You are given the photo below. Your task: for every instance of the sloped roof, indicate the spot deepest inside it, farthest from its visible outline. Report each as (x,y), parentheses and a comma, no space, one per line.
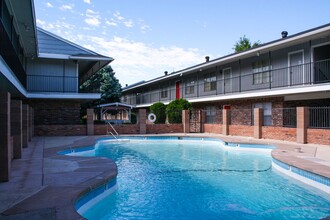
(50,43)
(52,46)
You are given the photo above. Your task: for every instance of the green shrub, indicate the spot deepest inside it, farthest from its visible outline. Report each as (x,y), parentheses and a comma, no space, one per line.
(159,109)
(174,110)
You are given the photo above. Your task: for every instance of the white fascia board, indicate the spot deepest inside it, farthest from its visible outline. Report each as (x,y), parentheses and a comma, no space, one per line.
(257,94)
(237,55)
(54,56)
(90,58)
(63,95)
(273,92)
(6,71)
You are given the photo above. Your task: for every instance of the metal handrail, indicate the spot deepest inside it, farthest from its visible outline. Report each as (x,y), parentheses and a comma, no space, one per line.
(113,129)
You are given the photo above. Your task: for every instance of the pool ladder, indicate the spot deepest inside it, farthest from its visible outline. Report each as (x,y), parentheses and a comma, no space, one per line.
(109,125)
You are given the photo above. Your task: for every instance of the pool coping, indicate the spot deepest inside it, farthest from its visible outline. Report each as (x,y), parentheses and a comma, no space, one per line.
(96,170)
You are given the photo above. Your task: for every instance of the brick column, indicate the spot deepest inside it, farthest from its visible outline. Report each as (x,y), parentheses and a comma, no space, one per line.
(16,127)
(226,121)
(30,123)
(90,121)
(4,136)
(142,121)
(202,115)
(186,121)
(302,124)
(25,126)
(258,122)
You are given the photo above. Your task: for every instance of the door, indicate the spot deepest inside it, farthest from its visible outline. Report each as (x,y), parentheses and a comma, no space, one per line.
(177,90)
(296,68)
(321,58)
(227,74)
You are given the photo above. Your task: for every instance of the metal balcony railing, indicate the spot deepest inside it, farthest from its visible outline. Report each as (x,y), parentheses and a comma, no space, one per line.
(304,74)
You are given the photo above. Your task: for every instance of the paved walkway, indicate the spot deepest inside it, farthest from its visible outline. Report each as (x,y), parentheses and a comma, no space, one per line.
(45,185)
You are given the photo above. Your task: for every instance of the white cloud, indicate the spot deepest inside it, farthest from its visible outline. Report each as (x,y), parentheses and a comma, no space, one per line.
(49,5)
(66,7)
(118,16)
(111,23)
(92,21)
(87,1)
(92,18)
(128,23)
(136,61)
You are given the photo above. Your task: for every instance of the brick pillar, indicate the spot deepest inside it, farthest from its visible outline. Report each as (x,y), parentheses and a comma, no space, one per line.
(186,121)
(25,125)
(258,122)
(30,123)
(142,121)
(202,115)
(16,127)
(90,121)
(5,136)
(302,124)
(226,121)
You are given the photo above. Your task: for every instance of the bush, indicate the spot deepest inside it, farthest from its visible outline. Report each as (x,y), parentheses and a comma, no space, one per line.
(159,109)
(174,110)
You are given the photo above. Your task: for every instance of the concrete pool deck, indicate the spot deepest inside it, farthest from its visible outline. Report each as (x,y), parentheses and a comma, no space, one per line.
(45,185)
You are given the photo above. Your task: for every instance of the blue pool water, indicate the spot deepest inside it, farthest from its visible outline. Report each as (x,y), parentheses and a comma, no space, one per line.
(175,179)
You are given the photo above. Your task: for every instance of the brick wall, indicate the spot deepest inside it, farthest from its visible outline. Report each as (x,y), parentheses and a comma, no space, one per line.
(279,133)
(241,130)
(56,112)
(213,128)
(60,130)
(318,136)
(121,129)
(164,128)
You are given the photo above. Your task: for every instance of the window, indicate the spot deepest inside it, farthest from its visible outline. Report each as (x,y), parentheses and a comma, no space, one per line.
(163,93)
(267,107)
(210,112)
(190,86)
(210,82)
(261,72)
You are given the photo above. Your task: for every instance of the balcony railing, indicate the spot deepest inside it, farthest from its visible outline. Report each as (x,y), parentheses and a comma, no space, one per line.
(304,74)
(38,83)
(9,51)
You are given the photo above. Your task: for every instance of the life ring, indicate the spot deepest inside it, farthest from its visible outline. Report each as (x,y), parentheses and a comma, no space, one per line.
(152,117)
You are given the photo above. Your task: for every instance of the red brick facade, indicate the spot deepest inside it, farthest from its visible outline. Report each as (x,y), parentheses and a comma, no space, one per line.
(241,130)
(279,133)
(164,128)
(56,112)
(318,136)
(60,130)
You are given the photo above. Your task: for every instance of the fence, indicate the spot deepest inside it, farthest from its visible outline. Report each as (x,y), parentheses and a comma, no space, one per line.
(319,117)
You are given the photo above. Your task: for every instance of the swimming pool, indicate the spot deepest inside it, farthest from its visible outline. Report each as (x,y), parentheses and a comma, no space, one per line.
(193,179)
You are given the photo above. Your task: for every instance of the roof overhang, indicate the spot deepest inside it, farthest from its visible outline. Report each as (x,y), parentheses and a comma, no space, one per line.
(52,95)
(319,32)
(23,11)
(115,105)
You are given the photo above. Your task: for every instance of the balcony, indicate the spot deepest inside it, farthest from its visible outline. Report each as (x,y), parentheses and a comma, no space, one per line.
(10,54)
(288,77)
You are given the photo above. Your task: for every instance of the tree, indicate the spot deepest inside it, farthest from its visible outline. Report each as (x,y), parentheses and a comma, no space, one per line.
(174,110)
(244,43)
(106,83)
(159,109)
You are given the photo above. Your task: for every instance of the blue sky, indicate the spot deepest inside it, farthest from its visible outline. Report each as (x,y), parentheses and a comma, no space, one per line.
(148,37)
